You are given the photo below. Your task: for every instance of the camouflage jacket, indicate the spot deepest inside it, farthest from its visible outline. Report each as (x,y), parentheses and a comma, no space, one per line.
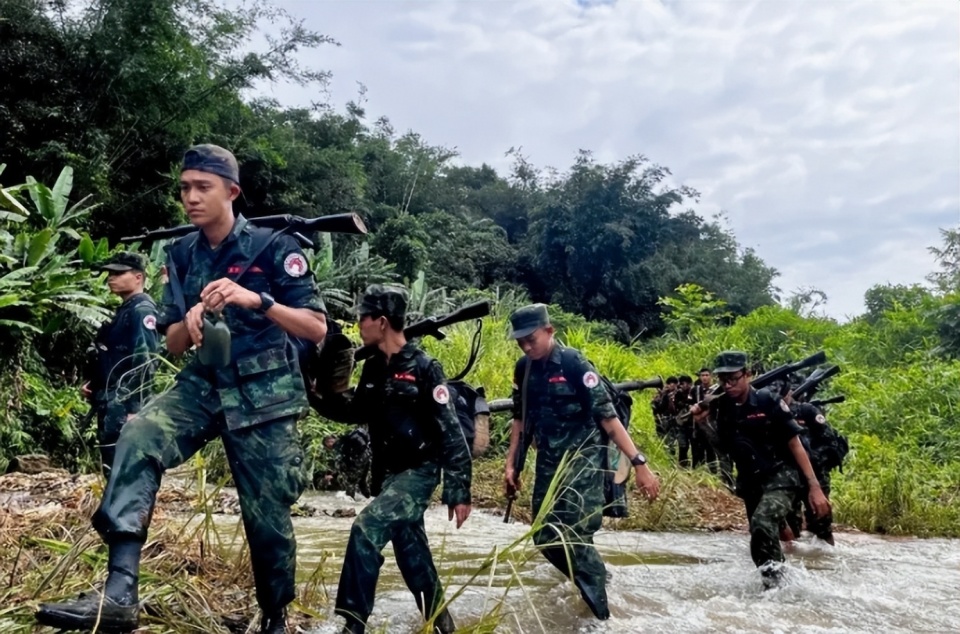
(262,382)
(123,349)
(563,412)
(407,406)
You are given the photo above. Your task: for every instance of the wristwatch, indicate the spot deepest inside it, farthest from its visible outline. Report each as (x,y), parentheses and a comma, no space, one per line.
(638,460)
(266,302)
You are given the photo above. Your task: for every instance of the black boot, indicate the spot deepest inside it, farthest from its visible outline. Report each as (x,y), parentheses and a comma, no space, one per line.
(353,626)
(116,609)
(86,610)
(274,622)
(443,624)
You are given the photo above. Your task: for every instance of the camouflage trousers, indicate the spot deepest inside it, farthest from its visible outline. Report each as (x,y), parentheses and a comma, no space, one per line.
(395,515)
(566,538)
(822,527)
(768,507)
(265,461)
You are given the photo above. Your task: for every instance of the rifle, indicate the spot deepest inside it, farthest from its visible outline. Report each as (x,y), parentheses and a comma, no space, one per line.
(526,436)
(828,401)
(297,225)
(432,325)
(763,380)
(812,383)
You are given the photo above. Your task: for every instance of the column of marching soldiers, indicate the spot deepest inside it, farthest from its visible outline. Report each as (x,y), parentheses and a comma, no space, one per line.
(239,300)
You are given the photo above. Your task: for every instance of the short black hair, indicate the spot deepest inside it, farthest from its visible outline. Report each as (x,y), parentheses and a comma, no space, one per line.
(685,379)
(671,379)
(707,370)
(396,322)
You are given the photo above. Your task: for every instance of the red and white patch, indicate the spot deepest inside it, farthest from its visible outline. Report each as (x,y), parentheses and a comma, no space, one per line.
(591,380)
(820,419)
(441,394)
(295,265)
(150,322)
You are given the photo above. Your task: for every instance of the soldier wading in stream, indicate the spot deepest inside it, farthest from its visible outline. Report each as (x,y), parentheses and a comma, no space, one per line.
(249,394)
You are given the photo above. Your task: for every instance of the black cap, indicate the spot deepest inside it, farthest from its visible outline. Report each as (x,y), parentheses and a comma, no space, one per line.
(383,301)
(528,319)
(730,361)
(124,261)
(212,159)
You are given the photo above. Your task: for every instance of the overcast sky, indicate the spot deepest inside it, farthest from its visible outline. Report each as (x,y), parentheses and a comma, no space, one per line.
(827,131)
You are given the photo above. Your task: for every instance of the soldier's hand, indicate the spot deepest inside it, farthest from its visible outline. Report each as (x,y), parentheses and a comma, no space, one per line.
(85,391)
(462,511)
(225,292)
(511,483)
(194,323)
(647,482)
(818,501)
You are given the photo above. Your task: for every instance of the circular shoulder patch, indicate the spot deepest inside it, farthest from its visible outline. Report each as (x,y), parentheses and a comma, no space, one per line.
(295,265)
(821,419)
(784,406)
(441,394)
(591,380)
(150,322)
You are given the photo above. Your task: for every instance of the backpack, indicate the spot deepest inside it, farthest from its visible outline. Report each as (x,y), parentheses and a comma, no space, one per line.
(614,493)
(831,448)
(473,413)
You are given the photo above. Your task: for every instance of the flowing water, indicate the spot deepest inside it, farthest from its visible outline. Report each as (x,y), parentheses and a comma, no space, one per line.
(662,582)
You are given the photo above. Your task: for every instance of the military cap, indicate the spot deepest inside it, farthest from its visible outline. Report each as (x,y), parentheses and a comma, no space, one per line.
(730,361)
(212,159)
(124,261)
(528,319)
(385,301)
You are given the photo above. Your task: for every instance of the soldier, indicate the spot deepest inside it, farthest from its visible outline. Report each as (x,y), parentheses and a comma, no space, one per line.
(706,442)
(566,411)
(250,395)
(679,405)
(757,429)
(414,433)
(663,421)
(122,368)
(818,436)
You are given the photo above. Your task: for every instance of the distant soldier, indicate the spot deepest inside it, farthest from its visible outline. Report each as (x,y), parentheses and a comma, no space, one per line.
(679,405)
(122,366)
(759,431)
(663,420)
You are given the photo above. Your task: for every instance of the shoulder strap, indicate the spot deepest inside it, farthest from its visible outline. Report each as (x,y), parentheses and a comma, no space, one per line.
(523,390)
(568,357)
(176,259)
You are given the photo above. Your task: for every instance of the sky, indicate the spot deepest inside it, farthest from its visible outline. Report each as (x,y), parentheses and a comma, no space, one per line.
(827,132)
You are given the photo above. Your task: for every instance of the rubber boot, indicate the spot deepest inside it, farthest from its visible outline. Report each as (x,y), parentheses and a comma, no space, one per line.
(443,624)
(274,622)
(116,609)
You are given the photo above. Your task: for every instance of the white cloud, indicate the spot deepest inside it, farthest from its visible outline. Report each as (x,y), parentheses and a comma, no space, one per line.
(829,132)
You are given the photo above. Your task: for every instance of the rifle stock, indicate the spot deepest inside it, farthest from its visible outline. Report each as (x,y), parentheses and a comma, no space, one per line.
(336,223)
(432,325)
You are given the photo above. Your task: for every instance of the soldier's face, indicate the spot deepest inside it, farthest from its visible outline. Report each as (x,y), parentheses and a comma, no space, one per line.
(735,384)
(371,329)
(537,344)
(120,282)
(705,378)
(206,197)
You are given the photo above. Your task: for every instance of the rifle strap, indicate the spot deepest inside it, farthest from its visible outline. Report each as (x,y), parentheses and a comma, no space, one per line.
(474,352)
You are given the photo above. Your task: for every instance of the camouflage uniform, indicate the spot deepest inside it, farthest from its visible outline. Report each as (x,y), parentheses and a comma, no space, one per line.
(414,435)
(813,423)
(680,402)
(123,367)
(756,435)
(564,419)
(252,405)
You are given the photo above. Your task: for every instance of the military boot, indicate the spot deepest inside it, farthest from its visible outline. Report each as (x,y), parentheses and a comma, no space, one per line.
(274,623)
(84,612)
(771,574)
(443,624)
(352,626)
